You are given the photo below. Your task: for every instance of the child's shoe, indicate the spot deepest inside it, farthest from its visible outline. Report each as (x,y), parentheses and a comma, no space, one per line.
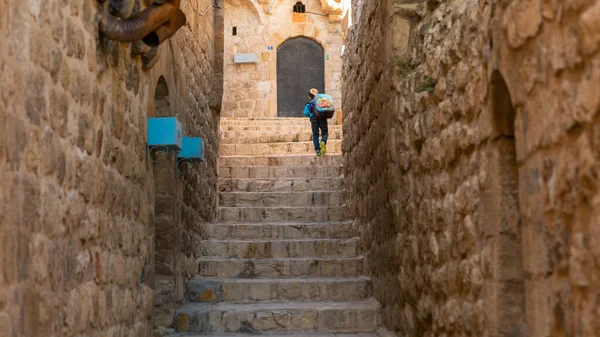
(318,153)
(323,148)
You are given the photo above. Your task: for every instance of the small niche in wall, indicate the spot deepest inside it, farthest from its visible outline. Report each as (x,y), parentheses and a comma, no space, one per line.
(234,31)
(299,7)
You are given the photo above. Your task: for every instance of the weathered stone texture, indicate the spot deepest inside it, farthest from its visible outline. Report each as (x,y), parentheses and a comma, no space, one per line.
(250,90)
(79,200)
(471,163)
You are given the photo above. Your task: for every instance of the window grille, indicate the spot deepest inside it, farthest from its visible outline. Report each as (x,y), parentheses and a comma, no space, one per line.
(299,7)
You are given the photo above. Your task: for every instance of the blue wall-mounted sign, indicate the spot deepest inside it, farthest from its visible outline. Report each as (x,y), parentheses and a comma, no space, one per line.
(270,48)
(165,132)
(193,149)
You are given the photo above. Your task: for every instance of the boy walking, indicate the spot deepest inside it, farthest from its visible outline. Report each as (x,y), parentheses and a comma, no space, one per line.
(317,123)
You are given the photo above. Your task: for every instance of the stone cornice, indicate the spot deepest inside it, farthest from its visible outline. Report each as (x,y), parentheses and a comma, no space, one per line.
(335,7)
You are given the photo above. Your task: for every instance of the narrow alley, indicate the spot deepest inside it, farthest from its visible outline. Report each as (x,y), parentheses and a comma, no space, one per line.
(160,176)
(283,256)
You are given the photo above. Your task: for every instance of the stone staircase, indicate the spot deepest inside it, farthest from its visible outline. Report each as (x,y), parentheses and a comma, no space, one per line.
(283,259)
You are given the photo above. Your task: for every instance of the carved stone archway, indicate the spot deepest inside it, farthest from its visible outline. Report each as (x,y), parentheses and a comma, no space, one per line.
(253,4)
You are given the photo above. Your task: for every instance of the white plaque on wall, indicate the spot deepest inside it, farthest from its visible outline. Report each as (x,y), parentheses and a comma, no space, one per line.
(245,58)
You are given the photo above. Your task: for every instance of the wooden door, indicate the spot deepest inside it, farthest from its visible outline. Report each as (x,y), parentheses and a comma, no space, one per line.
(300,67)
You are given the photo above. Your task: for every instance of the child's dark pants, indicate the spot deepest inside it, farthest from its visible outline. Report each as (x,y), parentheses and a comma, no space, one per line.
(316,125)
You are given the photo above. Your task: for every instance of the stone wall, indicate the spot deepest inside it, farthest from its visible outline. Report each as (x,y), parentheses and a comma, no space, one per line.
(250,90)
(93,230)
(471,163)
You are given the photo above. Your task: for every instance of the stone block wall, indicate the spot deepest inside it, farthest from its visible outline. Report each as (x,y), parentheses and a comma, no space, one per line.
(250,90)
(96,239)
(471,163)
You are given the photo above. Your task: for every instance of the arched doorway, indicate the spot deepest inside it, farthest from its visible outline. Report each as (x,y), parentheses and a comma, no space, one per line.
(163,276)
(162,105)
(505,289)
(300,66)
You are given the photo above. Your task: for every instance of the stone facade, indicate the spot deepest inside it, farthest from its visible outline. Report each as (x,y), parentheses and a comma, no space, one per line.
(96,235)
(250,90)
(471,139)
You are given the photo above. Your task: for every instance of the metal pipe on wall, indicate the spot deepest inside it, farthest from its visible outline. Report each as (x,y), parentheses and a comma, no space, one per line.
(139,25)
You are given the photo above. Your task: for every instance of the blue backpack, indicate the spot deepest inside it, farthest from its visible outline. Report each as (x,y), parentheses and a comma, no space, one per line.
(322,106)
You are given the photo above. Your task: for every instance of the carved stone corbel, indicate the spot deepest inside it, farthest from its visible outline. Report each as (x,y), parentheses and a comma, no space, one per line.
(334,9)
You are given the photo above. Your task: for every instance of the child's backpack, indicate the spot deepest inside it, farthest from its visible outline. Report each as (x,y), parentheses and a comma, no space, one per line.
(323,107)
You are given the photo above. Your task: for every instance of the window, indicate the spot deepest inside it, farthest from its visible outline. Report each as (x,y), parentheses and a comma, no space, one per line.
(234,31)
(299,7)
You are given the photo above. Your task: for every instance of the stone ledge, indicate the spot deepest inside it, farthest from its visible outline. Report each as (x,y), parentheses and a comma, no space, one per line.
(294,160)
(278,289)
(260,249)
(356,316)
(332,230)
(288,267)
(260,214)
(280,185)
(358,334)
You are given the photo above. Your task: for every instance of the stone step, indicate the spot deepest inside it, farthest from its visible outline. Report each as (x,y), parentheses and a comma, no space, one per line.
(281,160)
(355,316)
(277,214)
(288,267)
(263,120)
(279,185)
(257,137)
(281,199)
(213,290)
(356,334)
(277,249)
(267,172)
(266,121)
(269,128)
(282,231)
(333,146)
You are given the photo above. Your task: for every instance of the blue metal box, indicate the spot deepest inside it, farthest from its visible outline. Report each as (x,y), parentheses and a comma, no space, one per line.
(193,149)
(165,132)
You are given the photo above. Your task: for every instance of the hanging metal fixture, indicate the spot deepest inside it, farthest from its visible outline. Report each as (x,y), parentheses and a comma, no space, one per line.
(153,25)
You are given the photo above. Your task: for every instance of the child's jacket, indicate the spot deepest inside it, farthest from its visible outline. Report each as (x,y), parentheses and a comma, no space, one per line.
(307,108)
